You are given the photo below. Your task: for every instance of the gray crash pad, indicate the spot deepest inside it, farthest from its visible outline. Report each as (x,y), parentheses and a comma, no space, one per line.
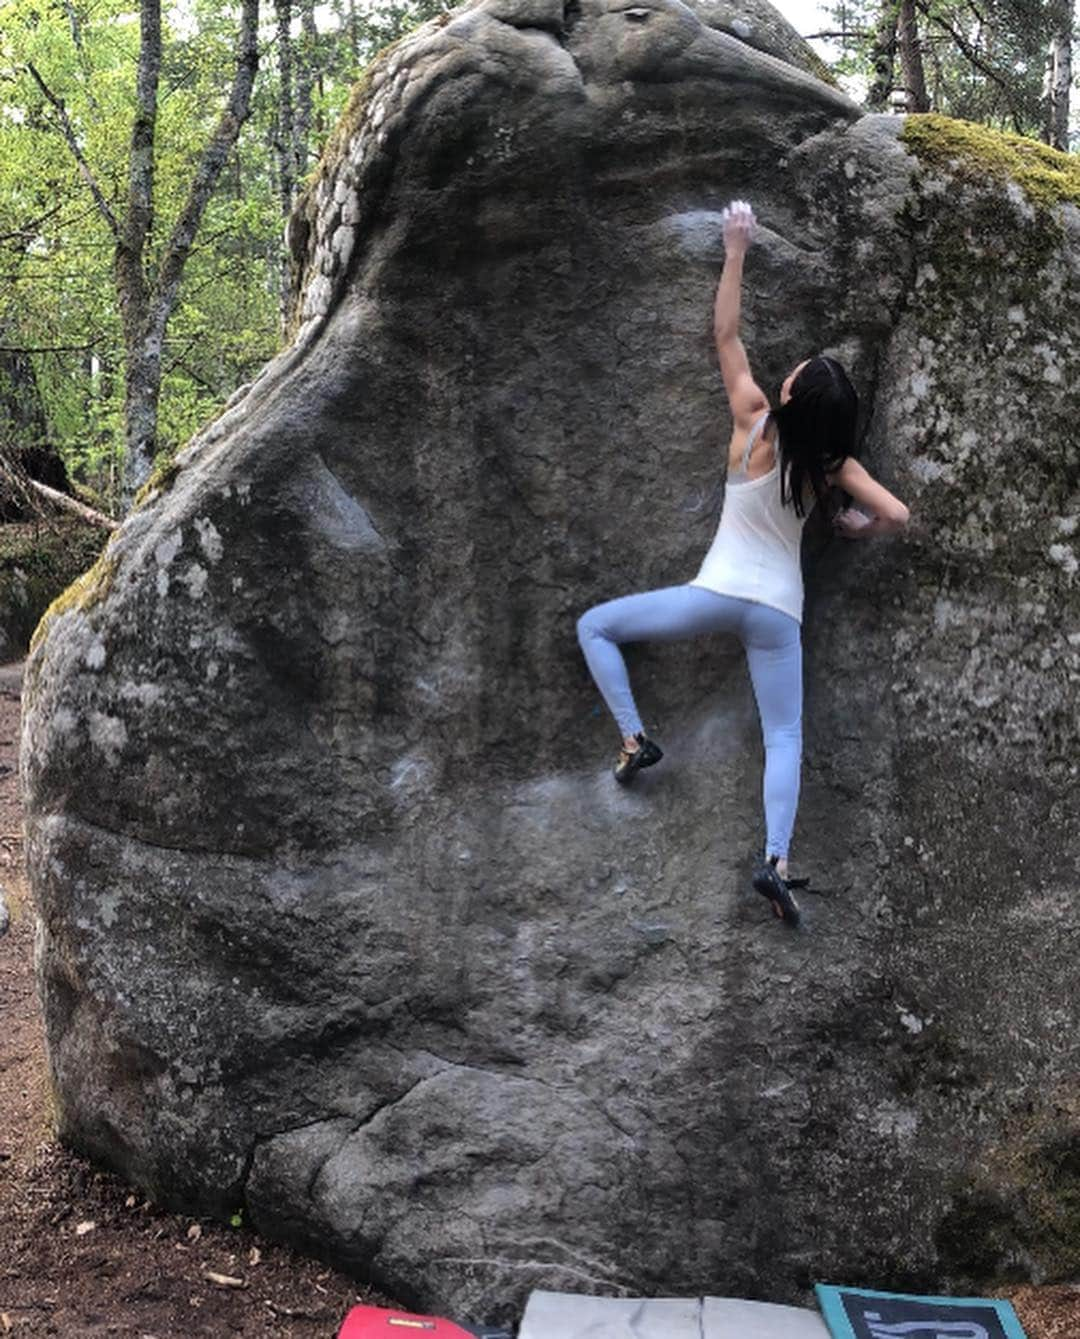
(552,1315)
(570,1316)
(732,1318)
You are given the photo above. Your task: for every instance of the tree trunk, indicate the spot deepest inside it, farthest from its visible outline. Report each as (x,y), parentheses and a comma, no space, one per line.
(883,57)
(142,390)
(354,35)
(145,311)
(1059,77)
(911,59)
(305,65)
(286,130)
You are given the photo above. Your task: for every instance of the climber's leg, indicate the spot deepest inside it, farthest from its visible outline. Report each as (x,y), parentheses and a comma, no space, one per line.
(658,615)
(774,655)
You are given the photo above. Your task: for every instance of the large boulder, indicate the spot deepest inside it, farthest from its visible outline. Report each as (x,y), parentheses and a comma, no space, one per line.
(344,921)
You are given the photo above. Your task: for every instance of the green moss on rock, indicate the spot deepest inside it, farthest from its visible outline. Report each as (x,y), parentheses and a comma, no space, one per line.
(161,480)
(1046,176)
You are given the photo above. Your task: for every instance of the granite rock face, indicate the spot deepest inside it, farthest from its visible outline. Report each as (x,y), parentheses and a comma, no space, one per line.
(344,920)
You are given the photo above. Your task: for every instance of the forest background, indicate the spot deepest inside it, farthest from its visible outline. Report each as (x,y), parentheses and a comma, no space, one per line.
(150,155)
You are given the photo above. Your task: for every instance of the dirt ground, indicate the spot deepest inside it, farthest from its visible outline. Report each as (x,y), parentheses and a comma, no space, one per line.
(83,1256)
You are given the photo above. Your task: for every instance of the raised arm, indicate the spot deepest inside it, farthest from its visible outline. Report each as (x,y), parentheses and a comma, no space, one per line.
(879,511)
(745,396)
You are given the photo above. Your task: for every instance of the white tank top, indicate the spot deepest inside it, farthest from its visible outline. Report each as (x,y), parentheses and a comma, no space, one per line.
(755,555)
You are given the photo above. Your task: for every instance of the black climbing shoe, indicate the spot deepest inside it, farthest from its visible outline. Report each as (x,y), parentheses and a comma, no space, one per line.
(647,754)
(770,884)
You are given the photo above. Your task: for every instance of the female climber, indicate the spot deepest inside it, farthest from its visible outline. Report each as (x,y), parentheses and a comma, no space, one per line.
(780,463)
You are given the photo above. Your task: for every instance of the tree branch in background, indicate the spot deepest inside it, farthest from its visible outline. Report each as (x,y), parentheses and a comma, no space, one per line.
(964,46)
(77,508)
(209,169)
(84,59)
(73,144)
(48,348)
(30,228)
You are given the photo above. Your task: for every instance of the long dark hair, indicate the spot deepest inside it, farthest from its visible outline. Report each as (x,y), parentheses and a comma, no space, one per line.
(816,430)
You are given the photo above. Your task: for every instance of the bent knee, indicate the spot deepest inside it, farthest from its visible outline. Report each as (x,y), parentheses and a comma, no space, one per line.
(590,624)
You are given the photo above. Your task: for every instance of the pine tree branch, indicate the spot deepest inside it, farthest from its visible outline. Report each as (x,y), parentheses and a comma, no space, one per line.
(73,144)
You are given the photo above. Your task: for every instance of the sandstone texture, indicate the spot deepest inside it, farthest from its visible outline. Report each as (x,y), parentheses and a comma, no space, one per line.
(344,922)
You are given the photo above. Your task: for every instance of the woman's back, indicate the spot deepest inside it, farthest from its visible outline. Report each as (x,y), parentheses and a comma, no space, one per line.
(755,553)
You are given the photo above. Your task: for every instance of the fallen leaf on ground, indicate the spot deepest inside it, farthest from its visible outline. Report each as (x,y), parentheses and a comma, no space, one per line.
(82,1229)
(223,1280)
(194,1232)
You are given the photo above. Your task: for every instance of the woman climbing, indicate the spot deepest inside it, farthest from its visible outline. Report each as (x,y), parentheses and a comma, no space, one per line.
(780,463)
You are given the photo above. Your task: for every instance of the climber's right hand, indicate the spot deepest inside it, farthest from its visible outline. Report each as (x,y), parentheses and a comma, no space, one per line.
(739,223)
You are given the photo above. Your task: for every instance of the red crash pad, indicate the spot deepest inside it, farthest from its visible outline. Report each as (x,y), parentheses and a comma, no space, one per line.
(372,1322)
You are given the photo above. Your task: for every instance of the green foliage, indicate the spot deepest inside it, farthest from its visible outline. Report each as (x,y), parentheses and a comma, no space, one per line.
(57,296)
(984,61)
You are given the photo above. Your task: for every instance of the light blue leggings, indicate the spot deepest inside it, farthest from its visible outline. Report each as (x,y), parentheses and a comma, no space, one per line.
(773,654)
